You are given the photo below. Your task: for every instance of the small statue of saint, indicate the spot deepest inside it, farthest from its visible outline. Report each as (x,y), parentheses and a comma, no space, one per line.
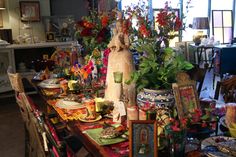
(120,60)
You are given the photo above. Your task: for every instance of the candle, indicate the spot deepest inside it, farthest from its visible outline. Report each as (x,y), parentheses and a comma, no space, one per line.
(132,114)
(142,115)
(118,76)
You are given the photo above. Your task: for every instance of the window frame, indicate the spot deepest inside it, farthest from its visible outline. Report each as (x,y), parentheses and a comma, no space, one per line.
(223,27)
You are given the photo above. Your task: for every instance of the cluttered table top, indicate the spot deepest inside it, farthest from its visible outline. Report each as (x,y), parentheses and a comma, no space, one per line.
(88,116)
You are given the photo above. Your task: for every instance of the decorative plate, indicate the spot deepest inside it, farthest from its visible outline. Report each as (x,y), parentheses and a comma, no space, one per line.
(212,141)
(69,105)
(49,83)
(94,134)
(82,119)
(61,57)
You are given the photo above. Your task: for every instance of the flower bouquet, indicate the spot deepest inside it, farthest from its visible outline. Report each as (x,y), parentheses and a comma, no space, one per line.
(93,30)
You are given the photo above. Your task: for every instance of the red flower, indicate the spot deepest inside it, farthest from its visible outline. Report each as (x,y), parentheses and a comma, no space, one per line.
(204,124)
(161,18)
(178,24)
(105,61)
(88,24)
(104,20)
(172,120)
(175,127)
(106,52)
(103,78)
(103,70)
(102,35)
(213,125)
(144,31)
(86,32)
(80,23)
(196,116)
(184,122)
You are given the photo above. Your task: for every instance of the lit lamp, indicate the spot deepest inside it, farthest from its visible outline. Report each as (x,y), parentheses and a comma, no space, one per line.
(2,7)
(199,23)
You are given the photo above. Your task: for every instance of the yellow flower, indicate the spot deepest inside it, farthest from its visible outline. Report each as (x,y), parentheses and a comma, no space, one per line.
(96,53)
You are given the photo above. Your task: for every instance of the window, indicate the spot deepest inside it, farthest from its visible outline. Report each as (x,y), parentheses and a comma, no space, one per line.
(222,5)
(222,25)
(155,12)
(158,4)
(197,8)
(126,3)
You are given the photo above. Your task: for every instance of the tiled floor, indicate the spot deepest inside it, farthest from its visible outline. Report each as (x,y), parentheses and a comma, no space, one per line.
(11,129)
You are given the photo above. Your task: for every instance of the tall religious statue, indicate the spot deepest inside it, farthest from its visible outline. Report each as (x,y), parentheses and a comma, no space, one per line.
(120,60)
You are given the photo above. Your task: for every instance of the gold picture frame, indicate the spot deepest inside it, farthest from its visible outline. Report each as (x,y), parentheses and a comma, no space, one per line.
(186,96)
(143,138)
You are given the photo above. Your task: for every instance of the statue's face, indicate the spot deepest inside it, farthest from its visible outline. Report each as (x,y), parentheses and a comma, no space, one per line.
(119,26)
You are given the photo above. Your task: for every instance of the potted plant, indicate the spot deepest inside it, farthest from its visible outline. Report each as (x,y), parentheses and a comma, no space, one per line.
(158,63)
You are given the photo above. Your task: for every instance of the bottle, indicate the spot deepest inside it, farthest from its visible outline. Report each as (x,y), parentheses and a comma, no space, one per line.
(74,56)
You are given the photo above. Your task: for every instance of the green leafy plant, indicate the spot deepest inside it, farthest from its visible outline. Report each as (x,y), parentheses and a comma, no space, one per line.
(158,64)
(157,70)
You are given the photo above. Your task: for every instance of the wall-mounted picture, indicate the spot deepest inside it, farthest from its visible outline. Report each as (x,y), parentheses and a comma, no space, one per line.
(143,138)
(185,95)
(30,11)
(62,26)
(182,49)
(50,36)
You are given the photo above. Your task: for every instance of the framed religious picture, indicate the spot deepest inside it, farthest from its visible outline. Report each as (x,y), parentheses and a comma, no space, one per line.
(50,36)
(143,138)
(185,95)
(30,11)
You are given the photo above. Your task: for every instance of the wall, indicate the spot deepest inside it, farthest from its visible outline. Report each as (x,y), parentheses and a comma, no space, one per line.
(11,18)
(78,8)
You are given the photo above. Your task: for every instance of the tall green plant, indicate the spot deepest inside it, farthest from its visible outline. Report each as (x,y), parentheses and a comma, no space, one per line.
(158,64)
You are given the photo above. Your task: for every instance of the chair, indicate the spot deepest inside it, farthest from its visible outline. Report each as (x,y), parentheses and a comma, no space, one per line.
(197,74)
(228,89)
(33,144)
(46,141)
(37,147)
(17,86)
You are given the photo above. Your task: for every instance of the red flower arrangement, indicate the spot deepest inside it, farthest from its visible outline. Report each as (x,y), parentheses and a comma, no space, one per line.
(194,121)
(93,31)
(82,72)
(168,24)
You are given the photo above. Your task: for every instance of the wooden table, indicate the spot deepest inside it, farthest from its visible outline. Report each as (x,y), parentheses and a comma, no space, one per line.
(77,128)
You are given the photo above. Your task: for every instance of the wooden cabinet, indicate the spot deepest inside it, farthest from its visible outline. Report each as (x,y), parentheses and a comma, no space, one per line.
(225,60)
(14,55)
(6,59)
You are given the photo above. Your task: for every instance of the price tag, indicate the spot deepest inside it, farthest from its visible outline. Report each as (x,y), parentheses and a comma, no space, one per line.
(119,111)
